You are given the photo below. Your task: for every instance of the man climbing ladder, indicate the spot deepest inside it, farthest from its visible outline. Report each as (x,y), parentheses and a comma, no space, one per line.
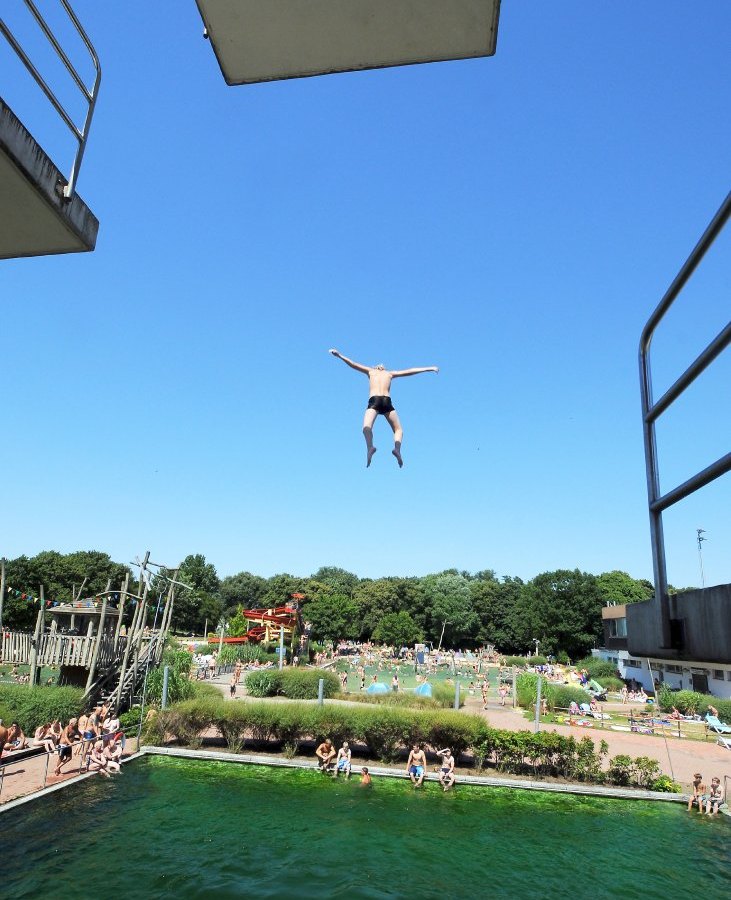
(379,402)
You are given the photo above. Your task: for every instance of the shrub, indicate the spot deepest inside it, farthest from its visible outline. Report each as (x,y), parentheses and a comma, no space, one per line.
(443,694)
(389,731)
(665,784)
(191,718)
(690,703)
(262,683)
(34,706)
(611,683)
(179,660)
(180,687)
(526,689)
(561,696)
(519,661)
(302,684)
(597,668)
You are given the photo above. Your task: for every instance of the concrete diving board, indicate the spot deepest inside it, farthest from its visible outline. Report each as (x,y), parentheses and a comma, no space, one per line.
(268,40)
(35,218)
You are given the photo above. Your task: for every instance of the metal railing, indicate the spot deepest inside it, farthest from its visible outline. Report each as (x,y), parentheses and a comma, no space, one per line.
(651,411)
(90,95)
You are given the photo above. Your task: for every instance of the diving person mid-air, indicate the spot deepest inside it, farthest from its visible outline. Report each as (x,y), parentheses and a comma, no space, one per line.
(379,401)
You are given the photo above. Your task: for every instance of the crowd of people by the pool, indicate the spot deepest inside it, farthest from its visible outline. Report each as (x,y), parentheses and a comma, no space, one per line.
(335,763)
(95,738)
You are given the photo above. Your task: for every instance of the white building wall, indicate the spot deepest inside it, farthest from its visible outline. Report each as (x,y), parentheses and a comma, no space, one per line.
(677,675)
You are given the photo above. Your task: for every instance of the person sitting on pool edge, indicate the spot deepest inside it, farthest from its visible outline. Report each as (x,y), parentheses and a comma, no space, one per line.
(446,772)
(326,755)
(379,402)
(416,765)
(342,762)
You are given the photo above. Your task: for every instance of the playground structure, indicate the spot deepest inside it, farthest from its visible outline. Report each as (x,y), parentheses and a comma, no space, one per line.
(275,624)
(86,642)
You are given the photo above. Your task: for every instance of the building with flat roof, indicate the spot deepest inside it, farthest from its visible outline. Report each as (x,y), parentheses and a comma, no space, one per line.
(699,658)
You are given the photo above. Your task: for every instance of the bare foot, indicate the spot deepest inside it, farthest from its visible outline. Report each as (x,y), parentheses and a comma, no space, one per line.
(397,454)
(370,456)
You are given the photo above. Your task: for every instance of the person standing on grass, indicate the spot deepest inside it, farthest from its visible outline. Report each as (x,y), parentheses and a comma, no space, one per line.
(379,402)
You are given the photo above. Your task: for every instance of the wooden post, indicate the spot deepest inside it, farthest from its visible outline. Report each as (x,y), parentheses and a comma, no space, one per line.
(138,642)
(34,648)
(122,596)
(2,589)
(97,645)
(127,646)
(74,595)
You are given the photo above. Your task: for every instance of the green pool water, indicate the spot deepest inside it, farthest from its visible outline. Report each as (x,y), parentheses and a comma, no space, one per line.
(190,828)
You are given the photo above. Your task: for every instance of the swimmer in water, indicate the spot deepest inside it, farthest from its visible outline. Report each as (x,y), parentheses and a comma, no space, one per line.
(379,402)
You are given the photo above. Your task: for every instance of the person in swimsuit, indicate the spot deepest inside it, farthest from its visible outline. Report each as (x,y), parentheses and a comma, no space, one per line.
(365,778)
(446,772)
(379,402)
(416,765)
(715,797)
(343,761)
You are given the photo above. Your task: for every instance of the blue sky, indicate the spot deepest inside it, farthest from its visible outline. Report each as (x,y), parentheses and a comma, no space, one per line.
(511,220)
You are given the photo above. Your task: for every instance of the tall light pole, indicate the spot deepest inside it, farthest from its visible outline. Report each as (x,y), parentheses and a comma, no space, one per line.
(700,532)
(441,636)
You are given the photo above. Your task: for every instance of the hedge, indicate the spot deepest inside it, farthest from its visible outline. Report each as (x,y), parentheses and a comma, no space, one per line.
(691,703)
(34,706)
(522,661)
(388,732)
(597,668)
(557,696)
(297,684)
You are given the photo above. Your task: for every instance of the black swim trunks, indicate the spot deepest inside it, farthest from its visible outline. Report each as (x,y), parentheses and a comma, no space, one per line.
(382,405)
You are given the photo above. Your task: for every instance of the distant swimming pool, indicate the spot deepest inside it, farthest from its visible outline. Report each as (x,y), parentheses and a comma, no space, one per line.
(191,828)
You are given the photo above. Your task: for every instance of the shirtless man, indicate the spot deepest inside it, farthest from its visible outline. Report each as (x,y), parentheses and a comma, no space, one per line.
(379,402)
(446,770)
(326,755)
(416,765)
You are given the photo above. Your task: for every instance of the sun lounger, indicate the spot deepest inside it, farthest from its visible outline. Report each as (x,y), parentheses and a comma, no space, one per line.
(724,742)
(715,724)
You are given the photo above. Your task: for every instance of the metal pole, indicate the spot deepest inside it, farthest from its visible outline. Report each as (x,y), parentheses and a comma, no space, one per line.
(515,692)
(538,705)
(281,646)
(205,630)
(2,589)
(165,676)
(700,532)
(320,691)
(456,694)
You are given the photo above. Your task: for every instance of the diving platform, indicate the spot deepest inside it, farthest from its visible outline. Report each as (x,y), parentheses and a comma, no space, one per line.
(268,40)
(35,217)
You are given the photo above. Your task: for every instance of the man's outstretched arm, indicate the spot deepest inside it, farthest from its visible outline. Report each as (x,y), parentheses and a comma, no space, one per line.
(405,372)
(349,362)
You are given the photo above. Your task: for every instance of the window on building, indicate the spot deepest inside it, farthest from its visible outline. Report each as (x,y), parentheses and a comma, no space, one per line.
(618,628)
(728,675)
(718,674)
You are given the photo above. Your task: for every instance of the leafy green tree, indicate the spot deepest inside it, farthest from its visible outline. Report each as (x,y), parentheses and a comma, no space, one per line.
(193,607)
(619,587)
(333,617)
(449,607)
(279,590)
(243,590)
(338,580)
(562,610)
(59,574)
(397,629)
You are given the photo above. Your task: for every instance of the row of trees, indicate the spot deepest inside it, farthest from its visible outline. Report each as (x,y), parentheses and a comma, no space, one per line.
(561,609)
